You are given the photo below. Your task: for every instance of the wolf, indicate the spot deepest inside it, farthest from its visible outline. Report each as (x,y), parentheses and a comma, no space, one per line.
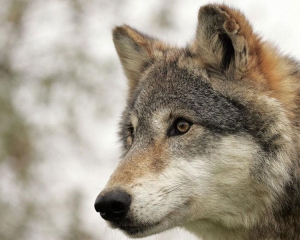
(210,134)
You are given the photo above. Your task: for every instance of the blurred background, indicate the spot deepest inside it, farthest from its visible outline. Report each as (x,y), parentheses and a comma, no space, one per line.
(62,92)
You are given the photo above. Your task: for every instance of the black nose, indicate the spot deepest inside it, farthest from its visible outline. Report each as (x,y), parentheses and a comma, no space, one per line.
(113,205)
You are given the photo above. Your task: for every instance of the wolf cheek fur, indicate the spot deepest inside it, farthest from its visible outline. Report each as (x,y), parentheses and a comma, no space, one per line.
(234,172)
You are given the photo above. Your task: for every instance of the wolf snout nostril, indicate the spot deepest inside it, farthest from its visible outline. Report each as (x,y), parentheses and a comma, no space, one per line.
(113,205)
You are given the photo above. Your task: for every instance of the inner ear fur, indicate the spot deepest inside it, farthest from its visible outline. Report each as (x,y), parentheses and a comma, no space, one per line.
(225,40)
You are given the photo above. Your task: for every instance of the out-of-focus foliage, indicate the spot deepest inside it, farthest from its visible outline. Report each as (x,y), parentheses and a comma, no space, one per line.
(39,80)
(56,80)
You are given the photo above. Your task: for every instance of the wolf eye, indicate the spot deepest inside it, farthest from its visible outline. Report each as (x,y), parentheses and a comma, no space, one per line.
(180,126)
(183,126)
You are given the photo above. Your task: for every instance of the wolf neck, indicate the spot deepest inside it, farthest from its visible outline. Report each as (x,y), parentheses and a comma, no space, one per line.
(208,230)
(282,222)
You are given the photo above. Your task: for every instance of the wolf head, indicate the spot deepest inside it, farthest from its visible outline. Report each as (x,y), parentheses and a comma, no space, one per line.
(206,131)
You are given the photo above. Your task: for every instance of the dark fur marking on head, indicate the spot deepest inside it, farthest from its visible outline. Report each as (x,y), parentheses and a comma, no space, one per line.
(209,108)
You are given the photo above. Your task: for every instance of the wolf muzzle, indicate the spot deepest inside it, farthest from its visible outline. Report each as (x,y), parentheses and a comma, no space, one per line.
(114,205)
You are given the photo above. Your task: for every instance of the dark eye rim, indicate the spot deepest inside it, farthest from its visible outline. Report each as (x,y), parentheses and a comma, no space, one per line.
(173,131)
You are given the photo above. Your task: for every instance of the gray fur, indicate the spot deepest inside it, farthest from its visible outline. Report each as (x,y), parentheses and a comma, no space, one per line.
(210,84)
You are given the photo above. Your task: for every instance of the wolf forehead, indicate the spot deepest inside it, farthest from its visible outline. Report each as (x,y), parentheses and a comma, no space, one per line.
(168,86)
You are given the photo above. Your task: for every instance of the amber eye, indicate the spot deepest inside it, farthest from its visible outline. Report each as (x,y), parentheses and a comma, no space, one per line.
(180,126)
(183,126)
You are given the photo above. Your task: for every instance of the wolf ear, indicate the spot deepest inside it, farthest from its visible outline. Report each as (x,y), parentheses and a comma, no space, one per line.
(135,51)
(225,40)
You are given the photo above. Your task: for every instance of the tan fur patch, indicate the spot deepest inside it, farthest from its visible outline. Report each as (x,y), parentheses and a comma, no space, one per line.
(276,71)
(139,164)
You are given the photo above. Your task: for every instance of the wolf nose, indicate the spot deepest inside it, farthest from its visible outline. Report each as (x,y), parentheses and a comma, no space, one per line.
(113,205)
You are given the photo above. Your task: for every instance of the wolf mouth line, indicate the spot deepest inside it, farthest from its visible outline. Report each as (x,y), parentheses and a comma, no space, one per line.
(136,229)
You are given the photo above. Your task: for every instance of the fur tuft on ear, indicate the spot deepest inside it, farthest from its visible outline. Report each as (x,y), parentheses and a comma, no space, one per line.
(136,51)
(225,40)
